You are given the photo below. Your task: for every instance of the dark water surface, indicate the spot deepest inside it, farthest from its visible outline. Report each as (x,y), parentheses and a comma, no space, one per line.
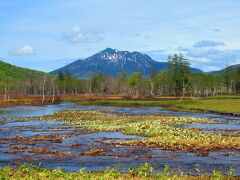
(72,141)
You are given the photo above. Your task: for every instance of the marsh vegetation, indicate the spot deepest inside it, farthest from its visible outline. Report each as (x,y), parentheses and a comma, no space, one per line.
(142,172)
(75,137)
(219,104)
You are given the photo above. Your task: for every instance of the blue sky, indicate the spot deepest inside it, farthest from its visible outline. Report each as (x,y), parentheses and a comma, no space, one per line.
(48,34)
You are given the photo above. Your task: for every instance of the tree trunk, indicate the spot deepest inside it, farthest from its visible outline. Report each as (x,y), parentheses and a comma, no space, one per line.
(5,92)
(152,88)
(53,89)
(43,88)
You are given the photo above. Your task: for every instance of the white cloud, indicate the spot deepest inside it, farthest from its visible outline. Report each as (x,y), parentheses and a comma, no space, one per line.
(207,43)
(212,68)
(207,58)
(79,35)
(22,51)
(211,59)
(215,55)
(199,59)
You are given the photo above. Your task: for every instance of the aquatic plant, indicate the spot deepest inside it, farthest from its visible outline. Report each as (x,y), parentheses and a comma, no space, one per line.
(160,131)
(144,171)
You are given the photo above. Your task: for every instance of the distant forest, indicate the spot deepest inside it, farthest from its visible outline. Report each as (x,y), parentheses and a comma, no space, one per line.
(177,80)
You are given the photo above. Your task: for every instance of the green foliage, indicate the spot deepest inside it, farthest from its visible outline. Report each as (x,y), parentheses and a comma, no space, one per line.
(121,81)
(144,172)
(134,79)
(97,82)
(9,72)
(60,76)
(138,83)
(13,77)
(177,80)
(179,70)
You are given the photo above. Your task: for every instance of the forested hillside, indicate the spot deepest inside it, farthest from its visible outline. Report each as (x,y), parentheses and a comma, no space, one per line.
(177,80)
(15,79)
(10,72)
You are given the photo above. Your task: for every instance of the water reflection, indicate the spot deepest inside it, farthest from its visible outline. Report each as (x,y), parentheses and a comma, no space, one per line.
(87,141)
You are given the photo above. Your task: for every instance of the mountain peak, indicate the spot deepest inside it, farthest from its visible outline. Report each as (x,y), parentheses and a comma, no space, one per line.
(111,62)
(116,56)
(110,51)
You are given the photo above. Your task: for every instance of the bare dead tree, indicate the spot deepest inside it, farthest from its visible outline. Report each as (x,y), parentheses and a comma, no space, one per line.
(52,80)
(43,88)
(5,91)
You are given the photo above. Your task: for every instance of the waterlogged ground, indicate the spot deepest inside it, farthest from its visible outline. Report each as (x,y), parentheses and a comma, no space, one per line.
(56,144)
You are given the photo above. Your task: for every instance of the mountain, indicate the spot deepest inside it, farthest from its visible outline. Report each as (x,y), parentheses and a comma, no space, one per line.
(111,62)
(10,72)
(232,68)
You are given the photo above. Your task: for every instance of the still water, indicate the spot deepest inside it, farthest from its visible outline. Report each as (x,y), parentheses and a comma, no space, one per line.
(70,142)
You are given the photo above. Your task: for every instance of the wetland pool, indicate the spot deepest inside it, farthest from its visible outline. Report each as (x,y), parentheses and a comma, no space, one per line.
(59,145)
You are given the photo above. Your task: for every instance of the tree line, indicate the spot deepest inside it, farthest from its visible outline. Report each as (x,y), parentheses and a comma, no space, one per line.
(177,80)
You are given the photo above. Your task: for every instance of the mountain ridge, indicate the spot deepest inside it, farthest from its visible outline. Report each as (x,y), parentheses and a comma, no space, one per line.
(112,61)
(232,68)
